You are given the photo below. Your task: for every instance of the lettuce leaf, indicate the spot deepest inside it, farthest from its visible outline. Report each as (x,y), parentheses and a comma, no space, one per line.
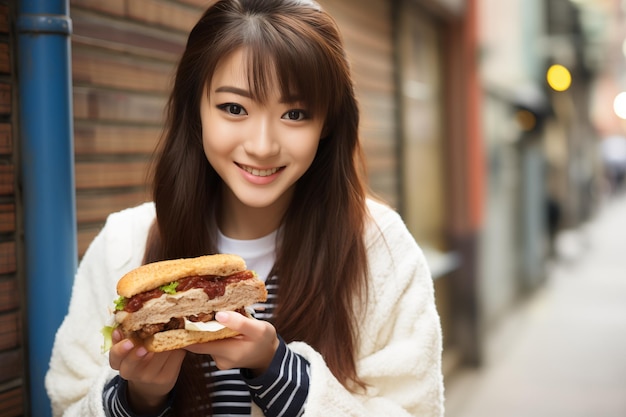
(107,332)
(120,303)
(169,288)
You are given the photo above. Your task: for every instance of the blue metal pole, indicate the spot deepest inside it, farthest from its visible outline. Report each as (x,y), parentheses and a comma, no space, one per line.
(47,176)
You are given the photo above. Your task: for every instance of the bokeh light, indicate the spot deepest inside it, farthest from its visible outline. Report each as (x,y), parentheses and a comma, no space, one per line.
(559,78)
(525,120)
(619,105)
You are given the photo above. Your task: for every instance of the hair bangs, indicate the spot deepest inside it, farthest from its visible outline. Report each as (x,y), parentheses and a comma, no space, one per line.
(283,57)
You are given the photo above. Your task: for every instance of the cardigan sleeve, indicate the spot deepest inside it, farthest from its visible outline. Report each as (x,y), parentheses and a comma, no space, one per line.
(78,369)
(400,336)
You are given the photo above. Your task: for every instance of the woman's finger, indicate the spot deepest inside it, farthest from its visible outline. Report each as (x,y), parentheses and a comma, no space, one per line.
(119,351)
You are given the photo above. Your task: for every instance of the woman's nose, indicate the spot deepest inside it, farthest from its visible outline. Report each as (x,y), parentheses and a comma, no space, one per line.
(261,140)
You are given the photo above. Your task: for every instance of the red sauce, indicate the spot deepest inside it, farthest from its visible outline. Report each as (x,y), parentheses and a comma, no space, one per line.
(136,301)
(213,286)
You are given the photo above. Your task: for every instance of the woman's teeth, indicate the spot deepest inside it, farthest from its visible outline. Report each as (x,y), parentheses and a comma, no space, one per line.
(260,172)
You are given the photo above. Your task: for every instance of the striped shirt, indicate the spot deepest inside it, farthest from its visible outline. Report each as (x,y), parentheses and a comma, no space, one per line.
(280,392)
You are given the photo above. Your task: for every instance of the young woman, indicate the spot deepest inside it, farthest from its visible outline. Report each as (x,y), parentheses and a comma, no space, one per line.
(261,158)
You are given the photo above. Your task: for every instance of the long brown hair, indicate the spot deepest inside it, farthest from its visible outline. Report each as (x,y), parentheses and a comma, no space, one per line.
(321,258)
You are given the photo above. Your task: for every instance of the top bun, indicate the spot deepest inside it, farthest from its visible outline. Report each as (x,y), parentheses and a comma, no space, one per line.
(153,275)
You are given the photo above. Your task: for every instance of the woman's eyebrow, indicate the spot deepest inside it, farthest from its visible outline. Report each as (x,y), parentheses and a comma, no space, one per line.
(234,90)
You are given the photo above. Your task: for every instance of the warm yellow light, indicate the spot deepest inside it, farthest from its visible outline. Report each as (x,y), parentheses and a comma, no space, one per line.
(619,105)
(559,78)
(525,120)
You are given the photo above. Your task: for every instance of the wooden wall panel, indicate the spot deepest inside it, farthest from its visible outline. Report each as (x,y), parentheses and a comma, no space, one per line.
(12,378)
(86,235)
(9,331)
(4,18)
(11,369)
(117,174)
(366,28)
(170,14)
(11,402)
(98,30)
(5,62)
(8,262)
(7,217)
(178,16)
(93,207)
(202,4)
(123,58)
(5,98)
(105,139)
(7,178)
(94,104)
(119,72)
(6,141)
(9,294)
(110,7)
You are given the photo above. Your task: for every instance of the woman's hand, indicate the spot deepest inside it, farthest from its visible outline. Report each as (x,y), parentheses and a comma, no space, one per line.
(151,376)
(253,349)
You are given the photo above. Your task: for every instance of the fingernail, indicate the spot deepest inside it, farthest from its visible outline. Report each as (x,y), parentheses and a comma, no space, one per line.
(127,345)
(116,336)
(141,352)
(221,316)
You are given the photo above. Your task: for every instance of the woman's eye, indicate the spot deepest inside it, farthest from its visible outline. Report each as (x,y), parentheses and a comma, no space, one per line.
(234,109)
(295,115)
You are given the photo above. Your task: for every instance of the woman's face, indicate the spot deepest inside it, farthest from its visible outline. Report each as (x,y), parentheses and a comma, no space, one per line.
(258,149)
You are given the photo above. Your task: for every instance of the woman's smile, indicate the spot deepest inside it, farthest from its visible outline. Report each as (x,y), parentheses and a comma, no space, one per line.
(260,176)
(259,172)
(259,148)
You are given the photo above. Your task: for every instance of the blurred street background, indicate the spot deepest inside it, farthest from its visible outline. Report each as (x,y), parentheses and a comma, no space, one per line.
(560,351)
(495,127)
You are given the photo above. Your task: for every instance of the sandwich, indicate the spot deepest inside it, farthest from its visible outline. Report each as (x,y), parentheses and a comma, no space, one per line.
(171,304)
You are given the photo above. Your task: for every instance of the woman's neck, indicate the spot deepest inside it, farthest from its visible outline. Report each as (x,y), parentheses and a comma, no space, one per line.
(239,221)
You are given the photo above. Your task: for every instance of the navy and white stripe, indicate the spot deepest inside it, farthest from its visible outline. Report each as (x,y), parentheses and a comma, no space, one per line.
(281,391)
(229,393)
(116,404)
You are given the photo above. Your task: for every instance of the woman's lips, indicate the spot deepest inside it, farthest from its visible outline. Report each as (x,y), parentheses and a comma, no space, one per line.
(260,172)
(260,176)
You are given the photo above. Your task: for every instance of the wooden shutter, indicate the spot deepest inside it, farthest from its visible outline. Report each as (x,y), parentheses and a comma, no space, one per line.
(367,31)
(123,59)
(12,390)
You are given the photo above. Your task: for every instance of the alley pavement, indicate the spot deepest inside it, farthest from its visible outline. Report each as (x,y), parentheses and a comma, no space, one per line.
(561,352)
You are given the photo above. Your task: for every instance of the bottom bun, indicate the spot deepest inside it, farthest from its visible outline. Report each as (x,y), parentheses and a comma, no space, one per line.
(180,338)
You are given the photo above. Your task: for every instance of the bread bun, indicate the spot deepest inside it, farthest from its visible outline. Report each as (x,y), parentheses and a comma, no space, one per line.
(150,276)
(180,338)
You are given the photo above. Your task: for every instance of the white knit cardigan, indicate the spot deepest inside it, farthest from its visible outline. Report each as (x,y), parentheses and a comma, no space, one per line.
(399,351)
